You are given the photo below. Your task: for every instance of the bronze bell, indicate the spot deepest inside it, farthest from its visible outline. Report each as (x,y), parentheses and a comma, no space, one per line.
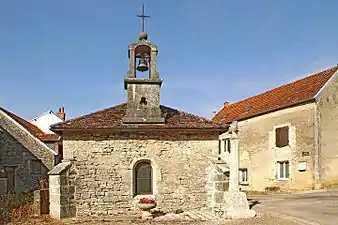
(142,65)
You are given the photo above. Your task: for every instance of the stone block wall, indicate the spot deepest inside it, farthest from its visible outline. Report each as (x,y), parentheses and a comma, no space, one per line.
(327,113)
(102,170)
(14,154)
(27,141)
(259,154)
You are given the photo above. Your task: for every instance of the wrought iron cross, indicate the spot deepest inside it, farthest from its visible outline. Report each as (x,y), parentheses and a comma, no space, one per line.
(142,16)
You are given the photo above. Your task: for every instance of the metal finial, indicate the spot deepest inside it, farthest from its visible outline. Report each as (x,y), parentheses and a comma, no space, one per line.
(142,16)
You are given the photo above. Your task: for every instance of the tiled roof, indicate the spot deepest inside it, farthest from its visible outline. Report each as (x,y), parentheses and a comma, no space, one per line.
(111,118)
(48,137)
(32,129)
(291,94)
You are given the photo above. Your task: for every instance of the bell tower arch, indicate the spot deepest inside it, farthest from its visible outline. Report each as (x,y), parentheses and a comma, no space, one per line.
(143,93)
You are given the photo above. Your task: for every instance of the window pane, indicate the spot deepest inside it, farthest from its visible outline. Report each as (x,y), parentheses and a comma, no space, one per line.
(243,175)
(281,170)
(36,167)
(143,186)
(143,178)
(3,185)
(144,171)
(219,147)
(229,146)
(286,169)
(10,178)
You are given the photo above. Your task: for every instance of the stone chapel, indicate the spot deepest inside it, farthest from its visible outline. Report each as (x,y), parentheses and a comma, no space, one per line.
(139,148)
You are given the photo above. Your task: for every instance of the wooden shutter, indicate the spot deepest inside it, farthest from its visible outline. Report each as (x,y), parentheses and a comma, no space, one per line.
(282,136)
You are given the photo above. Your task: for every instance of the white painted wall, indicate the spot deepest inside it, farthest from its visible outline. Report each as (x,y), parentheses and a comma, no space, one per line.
(44,121)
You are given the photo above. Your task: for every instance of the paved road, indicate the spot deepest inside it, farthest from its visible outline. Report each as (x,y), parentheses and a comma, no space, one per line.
(313,208)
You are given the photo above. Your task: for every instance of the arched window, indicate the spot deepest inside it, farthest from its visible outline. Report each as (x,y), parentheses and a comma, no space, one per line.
(143,178)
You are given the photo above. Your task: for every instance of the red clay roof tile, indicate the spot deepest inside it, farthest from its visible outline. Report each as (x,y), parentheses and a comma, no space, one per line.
(291,94)
(111,118)
(31,128)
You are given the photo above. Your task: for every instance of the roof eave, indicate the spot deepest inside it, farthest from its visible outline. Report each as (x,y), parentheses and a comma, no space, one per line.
(307,101)
(202,130)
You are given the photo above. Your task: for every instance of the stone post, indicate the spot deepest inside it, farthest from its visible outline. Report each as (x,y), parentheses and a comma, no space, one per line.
(236,201)
(60,192)
(234,163)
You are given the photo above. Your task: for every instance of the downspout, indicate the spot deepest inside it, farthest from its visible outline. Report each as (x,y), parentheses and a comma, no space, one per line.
(317,150)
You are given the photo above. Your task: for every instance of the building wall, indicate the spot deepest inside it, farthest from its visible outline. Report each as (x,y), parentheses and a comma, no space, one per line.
(328,133)
(259,154)
(102,170)
(45,121)
(14,154)
(39,149)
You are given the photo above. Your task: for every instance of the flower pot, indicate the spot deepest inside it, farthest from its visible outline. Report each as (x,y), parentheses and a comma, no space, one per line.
(146,206)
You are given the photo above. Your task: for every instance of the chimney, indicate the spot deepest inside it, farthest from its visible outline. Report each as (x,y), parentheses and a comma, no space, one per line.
(226,104)
(61,114)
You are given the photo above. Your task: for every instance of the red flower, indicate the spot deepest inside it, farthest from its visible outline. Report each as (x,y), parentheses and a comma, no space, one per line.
(146,201)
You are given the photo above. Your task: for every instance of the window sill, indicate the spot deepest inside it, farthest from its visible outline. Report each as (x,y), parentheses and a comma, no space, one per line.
(244,183)
(279,148)
(283,179)
(138,197)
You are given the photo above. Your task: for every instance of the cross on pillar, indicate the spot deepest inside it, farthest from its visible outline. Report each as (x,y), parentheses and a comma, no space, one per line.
(142,16)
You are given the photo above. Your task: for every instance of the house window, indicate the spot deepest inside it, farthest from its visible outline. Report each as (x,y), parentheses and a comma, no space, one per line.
(3,185)
(227,145)
(282,136)
(36,167)
(10,175)
(143,178)
(283,170)
(219,147)
(243,175)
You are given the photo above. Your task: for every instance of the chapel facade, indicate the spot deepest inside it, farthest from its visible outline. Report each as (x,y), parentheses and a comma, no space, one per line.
(113,157)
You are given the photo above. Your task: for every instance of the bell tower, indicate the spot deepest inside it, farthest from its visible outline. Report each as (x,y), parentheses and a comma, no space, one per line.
(143,101)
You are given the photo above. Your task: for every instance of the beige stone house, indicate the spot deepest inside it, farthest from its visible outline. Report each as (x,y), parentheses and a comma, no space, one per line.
(115,156)
(26,154)
(288,135)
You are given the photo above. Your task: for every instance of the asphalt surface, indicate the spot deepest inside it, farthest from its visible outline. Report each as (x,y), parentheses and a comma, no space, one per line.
(312,208)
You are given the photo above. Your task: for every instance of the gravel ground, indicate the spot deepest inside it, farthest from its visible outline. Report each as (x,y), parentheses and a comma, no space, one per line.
(260,220)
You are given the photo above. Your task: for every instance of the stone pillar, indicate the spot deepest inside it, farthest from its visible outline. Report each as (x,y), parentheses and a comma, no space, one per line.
(60,192)
(234,163)
(55,196)
(236,203)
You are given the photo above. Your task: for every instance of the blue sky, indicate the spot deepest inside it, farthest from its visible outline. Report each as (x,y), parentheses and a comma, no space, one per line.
(73,53)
